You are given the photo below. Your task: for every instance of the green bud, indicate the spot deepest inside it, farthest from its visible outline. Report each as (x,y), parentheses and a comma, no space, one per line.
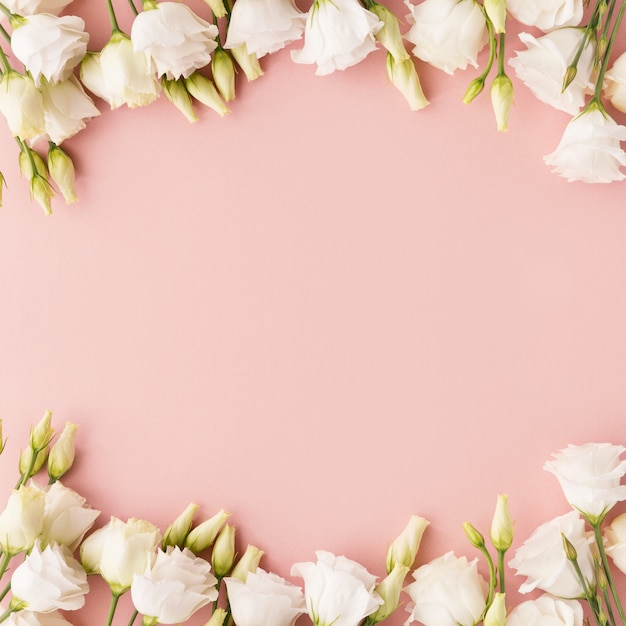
(502,525)
(176,533)
(570,550)
(570,75)
(501,100)
(217,7)
(42,433)
(496,613)
(474,537)
(247,61)
(224,74)
(62,453)
(389,35)
(177,94)
(203,535)
(247,563)
(403,549)
(223,555)
(496,12)
(27,158)
(218,617)
(474,88)
(42,192)
(27,468)
(404,77)
(203,90)
(62,173)
(389,590)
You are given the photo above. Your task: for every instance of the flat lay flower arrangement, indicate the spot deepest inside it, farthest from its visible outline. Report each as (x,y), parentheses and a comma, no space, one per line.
(49,552)
(51,81)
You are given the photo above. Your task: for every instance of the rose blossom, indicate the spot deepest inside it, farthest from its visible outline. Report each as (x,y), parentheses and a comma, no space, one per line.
(546,14)
(174,39)
(448,34)
(338,591)
(339,34)
(542,558)
(448,591)
(542,67)
(546,611)
(615,89)
(22,519)
(50,46)
(29,7)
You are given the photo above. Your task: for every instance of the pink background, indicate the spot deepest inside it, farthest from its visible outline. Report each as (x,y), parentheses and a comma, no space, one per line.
(323,312)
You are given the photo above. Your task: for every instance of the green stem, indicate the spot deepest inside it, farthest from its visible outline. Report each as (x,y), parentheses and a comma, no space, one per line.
(8,13)
(114,600)
(4,33)
(4,60)
(114,25)
(5,615)
(501,572)
(5,591)
(217,587)
(501,71)
(492,573)
(133,617)
(605,63)
(133,8)
(6,559)
(492,50)
(600,542)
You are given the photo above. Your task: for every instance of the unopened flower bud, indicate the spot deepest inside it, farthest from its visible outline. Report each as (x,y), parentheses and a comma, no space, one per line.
(28,467)
(570,75)
(247,563)
(203,90)
(473,89)
(247,61)
(474,537)
(62,172)
(570,550)
(223,555)
(203,535)
(177,94)
(389,35)
(404,77)
(42,433)
(62,453)
(496,613)
(224,74)
(217,7)
(496,12)
(389,590)
(28,158)
(403,549)
(501,100)
(218,617)
(502,525)
(176,533)
(42,192)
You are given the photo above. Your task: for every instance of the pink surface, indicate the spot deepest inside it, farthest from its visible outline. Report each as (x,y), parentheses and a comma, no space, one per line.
(323,313)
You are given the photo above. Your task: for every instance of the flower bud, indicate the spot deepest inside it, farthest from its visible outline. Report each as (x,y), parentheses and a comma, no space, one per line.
(41,435)
(28,467)
(62,453)
(389,590)
(203,535)
(496,613)
(473,89)
(502,525)
(177,94)
(404,548)
(62,172)
(474,537)
(217,619)
(176,533)
(247,563)
(570,550)
(247,61)
(27,159)
(224,74)
(389,35)
(203,90)
(404,77)
(217,7)
(496,12)
(42,192)
(502,99)
(223,555)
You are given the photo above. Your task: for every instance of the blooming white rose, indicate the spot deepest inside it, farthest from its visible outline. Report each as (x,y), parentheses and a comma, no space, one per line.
(546,611)
(338,34)
(265,26)
(22,106)
(28,7)
(120,550)
(542,67)
(49,580)
(590,474)
(448,34)
(29,618)
(615,89)
(542,558)
(448,591)
(50,46)
(21,521)
(264,599)
(546,14)
(173,587)
(174,39)
(615,541)
(338,591)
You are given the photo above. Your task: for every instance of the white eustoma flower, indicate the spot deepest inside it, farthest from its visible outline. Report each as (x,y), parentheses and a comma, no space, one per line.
(448,34)
(338,591)
(29,618)
(338,34)
(615,89)
(173,587)
(547,14)
(542,67)
(175,41)
(542,558)
(120,75)
(49,46)
(448,591)
(21,521)
(29,7)
(22,105)
(120,550)
(615,541)
(264,599)
(49,580)
(265,26)
(546,611)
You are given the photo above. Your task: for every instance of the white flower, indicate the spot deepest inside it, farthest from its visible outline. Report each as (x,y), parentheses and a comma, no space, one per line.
(339,34)
(22,106)
(120,550)
(50,46)
(174,39)
(615,89)
(265,26)
(265,599)
(542,67)
(21,521)
(29,7)
(547,14)
(546,611)
(338,591)
(448,34)
(29,618)
(448,591)
(174,586)
(590,474)
(49,580)
(542,558)
(120,75)
(615,541)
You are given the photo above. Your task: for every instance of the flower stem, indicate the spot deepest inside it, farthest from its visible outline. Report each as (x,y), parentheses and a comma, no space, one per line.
(501,570)
(5,591)
(114,600)
(114,25)
(4,33)
(133,8)
(6,558)
(598,535)
(501,71)
(5,10)
(600,80)
(3,59)
(133,617)
(5,615)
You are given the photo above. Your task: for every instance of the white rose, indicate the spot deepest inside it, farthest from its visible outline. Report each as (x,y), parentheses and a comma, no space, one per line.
(338,34)
(50,46)
(120,550)
(22,519)
(173,587)
(29,7)
(615,541)
(28,618)
(265,26)
(338,591)
(265,599)
(546,14)
(49,580)
(590,474)
(542,67)
(448,34)
(546,611)
(542,558)
(615,89)
(175,41)
(22,106)
(448,591)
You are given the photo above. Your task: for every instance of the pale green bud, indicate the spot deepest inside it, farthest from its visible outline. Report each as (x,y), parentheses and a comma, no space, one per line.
(473,89)
(502,99)
(203,90)
(247,61)
(42,433)
(203,535)
(247,563)
(42,192)
(27,467)
(570,550)
(217,7)
(176,533)
(177,94)
(389,590)
(224,74)
(62,453)
(223,555)
(389,35)
(496,12)
(27,158)
(496,613)
(62,172)
(404,77)
(474,537)
(502,525)
(218,617)
(404,548)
